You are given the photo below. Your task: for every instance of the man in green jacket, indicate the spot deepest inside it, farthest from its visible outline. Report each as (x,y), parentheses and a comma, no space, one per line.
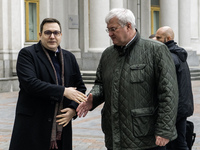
(136,79)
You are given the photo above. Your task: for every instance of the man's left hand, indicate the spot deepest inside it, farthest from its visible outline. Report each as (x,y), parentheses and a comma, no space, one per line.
(66,116)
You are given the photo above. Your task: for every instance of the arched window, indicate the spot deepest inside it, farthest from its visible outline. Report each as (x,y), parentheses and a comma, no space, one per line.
(32,20)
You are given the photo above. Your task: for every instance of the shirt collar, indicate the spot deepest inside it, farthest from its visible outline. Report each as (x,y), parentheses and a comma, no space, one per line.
(131,40)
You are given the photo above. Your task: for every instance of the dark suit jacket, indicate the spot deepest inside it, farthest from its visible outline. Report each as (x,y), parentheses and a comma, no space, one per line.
(38,96)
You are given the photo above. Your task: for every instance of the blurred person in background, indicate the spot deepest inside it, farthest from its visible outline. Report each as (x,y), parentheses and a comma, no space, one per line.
(165,35)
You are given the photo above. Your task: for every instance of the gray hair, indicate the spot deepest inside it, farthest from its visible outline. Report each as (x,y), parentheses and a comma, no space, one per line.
(123,15)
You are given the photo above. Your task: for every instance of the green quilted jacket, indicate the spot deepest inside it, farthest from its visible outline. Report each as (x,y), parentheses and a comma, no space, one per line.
(139,87)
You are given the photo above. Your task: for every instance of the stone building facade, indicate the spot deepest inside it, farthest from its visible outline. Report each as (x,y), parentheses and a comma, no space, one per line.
(83,28)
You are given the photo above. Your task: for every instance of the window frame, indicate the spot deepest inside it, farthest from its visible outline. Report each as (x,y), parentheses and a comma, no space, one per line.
(154,8)
(27,19)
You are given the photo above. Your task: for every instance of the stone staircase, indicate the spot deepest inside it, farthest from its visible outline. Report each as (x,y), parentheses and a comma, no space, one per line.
(11,84)
(195,73)
(90,76)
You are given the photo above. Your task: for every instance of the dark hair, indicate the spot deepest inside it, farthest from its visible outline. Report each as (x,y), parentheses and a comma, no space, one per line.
(152,36)
(49,20)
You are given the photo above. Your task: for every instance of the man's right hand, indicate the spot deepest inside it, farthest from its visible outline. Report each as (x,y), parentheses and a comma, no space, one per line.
(160,141)
(84,107)
(72,94)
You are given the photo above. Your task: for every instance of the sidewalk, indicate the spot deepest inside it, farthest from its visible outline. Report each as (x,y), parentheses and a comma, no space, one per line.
(87,134)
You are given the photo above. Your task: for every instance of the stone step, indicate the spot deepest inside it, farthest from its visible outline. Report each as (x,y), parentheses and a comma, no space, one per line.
(88,81)
(88,76)
(194,70)
(195,73)
(88,73)
(195,78)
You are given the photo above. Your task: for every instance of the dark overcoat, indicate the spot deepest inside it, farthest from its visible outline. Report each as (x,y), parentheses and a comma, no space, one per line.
(37,98)
(185,102)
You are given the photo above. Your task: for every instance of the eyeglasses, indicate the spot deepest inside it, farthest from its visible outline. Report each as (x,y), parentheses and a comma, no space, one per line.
(112,29)
(49,33)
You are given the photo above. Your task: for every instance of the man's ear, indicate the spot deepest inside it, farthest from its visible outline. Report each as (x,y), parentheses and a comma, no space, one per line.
(169,38)
(129,25)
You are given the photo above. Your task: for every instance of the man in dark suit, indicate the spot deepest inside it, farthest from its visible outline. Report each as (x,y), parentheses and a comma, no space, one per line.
(50,80)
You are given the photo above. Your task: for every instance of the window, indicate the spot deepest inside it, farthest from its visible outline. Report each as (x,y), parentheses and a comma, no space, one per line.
(155,11)
(155,2)
(32,20)
(155,14)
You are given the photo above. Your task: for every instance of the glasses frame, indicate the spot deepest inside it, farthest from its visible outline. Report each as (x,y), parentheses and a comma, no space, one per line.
(113,29)
(55,33)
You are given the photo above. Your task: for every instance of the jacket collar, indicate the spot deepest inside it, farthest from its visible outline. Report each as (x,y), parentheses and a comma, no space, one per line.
(170,44)
(125,50)
(179,51)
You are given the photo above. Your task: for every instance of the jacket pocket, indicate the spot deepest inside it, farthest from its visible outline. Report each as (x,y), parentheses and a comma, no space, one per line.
(137,73)
(143,121)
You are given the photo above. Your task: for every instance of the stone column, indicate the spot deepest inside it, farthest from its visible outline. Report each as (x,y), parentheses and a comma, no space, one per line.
(135,7)
(44,9)
(169,15)
(195,15)
(98,37)
(3,25)
(84,26)
(184,23)
(195,25)
(11,39)
(185,32)
(116,4)
(4,32)
(72,24)
(145,19)
(15,31)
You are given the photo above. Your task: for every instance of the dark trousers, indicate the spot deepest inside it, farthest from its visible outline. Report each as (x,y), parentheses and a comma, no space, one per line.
(155,148)
(180,142)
